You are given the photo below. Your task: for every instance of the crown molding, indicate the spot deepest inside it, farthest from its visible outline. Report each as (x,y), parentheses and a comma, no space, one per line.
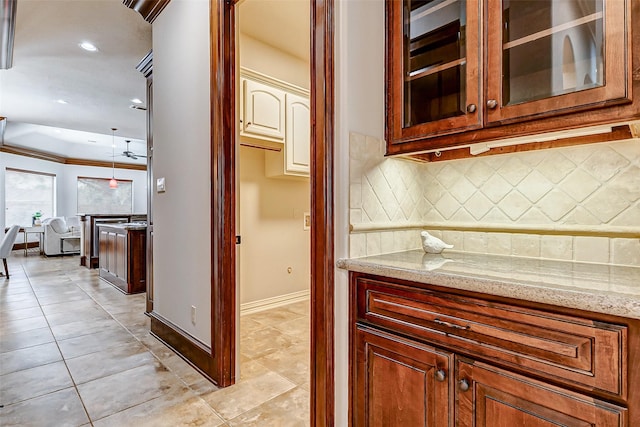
(41,155)
(149,9)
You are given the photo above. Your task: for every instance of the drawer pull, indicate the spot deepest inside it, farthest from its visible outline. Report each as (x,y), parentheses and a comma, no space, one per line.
(450,325)
(463,384)
(441,375)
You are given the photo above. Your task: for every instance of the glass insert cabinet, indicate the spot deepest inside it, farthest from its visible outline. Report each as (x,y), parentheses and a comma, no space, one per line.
(457,66)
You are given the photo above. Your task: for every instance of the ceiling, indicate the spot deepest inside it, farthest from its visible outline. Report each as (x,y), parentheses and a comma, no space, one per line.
(98,87)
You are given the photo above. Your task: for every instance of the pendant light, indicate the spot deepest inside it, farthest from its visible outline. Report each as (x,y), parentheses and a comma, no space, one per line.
(112,182)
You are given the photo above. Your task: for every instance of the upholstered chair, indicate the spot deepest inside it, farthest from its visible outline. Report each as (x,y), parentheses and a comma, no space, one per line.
(54,230)
(7,244)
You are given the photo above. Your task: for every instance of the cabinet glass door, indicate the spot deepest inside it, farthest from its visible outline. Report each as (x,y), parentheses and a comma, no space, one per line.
(433,65)
(553,48)
(564,38)
(435,60)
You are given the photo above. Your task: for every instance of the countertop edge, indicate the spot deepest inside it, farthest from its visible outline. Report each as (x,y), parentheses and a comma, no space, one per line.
(603,302)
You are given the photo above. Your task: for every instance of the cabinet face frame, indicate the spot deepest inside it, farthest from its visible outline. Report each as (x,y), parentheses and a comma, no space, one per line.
(617,82)
(396,132)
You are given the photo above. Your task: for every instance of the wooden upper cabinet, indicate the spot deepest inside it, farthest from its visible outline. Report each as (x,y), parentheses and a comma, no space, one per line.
(547,57)
(433,67)
(467,71)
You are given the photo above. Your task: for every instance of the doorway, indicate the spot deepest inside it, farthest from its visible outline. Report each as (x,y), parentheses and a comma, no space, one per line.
(223,89)
(273,189)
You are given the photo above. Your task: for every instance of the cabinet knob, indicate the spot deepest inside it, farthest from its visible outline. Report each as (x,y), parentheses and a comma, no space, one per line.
(441,375)
(492,103)
(463,384)
(471,108)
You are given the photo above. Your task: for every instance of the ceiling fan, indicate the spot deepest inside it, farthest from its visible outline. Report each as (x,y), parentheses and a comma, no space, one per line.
(131,154)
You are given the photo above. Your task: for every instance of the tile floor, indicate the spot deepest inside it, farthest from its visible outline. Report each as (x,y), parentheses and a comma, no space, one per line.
(75,351)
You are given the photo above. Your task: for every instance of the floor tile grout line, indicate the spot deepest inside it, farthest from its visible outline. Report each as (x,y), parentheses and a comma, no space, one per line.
(79,281)
(64,360)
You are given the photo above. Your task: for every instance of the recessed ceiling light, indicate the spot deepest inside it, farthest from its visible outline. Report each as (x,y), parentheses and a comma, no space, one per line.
(89,47)
(136,101)
(61,101)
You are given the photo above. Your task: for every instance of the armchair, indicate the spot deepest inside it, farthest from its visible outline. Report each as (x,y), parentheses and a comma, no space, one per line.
(59,238)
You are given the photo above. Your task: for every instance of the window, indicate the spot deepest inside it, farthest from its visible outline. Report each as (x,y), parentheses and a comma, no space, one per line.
(95,196)
(26,193)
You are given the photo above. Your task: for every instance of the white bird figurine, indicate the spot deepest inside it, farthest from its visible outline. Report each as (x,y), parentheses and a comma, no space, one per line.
(433,245)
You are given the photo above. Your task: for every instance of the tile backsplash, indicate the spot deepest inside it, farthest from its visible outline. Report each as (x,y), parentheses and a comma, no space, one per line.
(577,203)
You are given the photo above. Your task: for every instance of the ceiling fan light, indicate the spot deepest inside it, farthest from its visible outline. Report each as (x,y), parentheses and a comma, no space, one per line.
(113,183)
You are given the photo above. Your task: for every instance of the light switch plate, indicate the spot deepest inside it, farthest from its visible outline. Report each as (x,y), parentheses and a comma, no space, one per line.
(160,185)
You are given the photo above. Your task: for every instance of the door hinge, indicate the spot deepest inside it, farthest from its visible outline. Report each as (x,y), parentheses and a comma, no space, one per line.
(238,240)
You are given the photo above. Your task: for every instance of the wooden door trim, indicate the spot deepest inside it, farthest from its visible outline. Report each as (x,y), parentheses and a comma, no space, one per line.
(322,215)
(322,411)
(223,202)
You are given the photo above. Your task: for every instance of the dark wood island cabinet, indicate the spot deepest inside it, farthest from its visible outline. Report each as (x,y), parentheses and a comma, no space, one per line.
(122,259)
(89,238)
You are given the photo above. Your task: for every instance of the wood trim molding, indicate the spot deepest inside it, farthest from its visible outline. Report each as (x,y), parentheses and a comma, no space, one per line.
(191,350)
(322,216)
(41,155)
(145,66)
(148,9)
(223,179)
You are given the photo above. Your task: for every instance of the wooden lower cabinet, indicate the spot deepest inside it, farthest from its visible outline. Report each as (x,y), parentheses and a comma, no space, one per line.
(401,383)
(487,396)
(422,356)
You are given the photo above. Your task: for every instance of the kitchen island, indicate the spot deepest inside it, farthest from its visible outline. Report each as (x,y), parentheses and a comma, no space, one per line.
(122,256)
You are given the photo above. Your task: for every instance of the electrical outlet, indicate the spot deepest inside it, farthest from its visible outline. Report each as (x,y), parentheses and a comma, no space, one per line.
(193,314)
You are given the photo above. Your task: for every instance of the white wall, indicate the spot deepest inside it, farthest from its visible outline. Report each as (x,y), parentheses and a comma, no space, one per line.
(271,225)
(66,182)
(181,132)
(359,108)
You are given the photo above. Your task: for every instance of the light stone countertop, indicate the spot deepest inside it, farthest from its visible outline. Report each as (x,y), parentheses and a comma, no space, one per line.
(125,225)
(593,287)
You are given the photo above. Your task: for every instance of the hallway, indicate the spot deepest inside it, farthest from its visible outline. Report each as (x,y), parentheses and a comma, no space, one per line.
(75,351)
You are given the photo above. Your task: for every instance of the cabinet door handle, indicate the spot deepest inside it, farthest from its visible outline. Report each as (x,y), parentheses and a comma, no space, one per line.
(492,104)
(441,375)
(463,384)
(450,325)
(471,108)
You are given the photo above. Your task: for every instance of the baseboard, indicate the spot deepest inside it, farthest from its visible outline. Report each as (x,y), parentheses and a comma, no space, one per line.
(193,351)
(273,302)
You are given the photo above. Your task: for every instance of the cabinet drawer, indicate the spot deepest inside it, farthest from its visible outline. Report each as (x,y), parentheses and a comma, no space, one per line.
(570,349)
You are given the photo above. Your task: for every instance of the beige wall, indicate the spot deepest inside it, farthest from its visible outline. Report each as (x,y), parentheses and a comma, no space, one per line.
(271,210)
(265,59)
(181,131)
(271,226)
